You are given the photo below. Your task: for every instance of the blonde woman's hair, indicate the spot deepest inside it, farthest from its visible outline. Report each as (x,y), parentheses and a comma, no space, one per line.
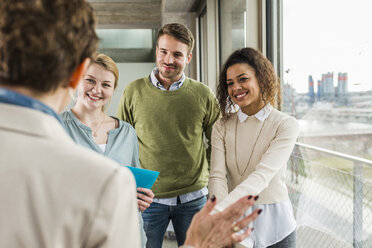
(109,64)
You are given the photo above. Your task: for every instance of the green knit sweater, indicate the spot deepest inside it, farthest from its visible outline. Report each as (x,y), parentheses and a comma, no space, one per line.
(170,127)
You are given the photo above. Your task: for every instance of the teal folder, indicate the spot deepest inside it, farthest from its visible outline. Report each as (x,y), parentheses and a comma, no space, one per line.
(144,178)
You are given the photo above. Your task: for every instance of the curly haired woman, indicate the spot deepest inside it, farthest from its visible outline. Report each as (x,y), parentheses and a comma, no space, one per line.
(251,146)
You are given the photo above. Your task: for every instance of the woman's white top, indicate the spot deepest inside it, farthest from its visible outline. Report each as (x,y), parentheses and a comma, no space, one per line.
(266,231)
(102,146)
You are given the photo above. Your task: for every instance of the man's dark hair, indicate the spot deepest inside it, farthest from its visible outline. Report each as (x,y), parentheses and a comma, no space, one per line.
(42,42)
(180,33)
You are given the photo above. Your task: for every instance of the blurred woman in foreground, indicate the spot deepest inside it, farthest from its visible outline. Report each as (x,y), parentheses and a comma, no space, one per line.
(55,193)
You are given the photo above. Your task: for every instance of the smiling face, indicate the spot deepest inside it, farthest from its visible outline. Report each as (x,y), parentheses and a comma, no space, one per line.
(243,88)
(171,58)
(96,87)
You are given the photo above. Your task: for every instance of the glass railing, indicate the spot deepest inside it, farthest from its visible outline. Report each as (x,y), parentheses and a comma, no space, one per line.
(331,193)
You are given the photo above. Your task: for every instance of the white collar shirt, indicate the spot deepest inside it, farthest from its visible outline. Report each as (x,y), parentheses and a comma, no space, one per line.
(174,86)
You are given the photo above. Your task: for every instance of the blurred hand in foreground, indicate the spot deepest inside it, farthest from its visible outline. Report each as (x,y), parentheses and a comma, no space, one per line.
(222,228)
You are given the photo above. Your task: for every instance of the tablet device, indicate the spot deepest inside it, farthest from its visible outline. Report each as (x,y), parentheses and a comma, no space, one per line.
(144,178)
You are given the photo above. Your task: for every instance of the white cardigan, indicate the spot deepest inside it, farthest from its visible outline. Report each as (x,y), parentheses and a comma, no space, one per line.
(237,171)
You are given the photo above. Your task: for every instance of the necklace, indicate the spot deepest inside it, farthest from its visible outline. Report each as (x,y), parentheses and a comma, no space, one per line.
(236,145)
(94,131)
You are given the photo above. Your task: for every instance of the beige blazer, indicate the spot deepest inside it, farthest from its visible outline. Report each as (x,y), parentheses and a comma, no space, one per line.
(251,158)
(54,193)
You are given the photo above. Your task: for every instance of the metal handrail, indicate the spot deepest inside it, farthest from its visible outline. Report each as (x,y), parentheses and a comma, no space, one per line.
(337,154)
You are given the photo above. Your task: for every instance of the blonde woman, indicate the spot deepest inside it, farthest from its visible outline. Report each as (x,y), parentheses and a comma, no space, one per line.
(89,126)
(250,148)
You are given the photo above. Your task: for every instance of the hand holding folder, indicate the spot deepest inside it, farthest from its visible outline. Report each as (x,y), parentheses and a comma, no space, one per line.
(144,178)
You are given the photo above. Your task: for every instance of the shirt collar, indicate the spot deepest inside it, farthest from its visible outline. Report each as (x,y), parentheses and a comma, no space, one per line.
(260,115)
(174,86)
(82,125)
(14,98)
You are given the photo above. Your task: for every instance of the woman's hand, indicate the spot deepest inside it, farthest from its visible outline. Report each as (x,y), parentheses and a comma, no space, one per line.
(144,199)
(220,229)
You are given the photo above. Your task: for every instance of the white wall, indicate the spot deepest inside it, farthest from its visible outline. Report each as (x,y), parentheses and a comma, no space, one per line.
(127,73)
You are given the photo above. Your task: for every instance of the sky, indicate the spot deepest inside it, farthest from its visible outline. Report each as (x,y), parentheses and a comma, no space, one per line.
(321,36)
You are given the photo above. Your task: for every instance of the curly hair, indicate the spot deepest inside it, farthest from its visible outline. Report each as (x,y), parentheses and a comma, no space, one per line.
(267,79)
(42,42)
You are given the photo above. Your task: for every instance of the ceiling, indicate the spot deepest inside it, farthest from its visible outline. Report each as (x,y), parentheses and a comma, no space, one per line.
(137,13)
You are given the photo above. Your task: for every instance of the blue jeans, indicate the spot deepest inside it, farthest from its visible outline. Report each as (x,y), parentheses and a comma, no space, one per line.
(156,219)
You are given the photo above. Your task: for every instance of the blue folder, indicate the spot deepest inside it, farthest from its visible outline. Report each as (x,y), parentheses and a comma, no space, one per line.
(144,178)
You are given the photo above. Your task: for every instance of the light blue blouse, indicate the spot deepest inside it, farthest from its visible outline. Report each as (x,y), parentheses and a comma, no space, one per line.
(122,145)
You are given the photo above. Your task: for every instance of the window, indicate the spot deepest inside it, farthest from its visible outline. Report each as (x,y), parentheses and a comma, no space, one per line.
(203,43)
(128,45)
(232,27)
(327,62)
(327,59)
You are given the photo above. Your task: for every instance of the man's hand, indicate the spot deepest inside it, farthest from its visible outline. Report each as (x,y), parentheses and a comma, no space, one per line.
(144,199)
(220,229)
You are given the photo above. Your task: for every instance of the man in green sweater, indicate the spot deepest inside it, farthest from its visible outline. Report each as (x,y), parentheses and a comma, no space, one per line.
(171,114)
